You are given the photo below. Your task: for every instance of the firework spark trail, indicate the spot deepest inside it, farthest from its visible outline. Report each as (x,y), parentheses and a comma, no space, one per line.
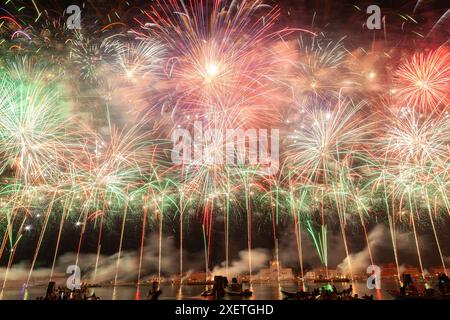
(144,223)
(435,233)
(41,236)
(320,242)
(11,258)
(296,208)
(124,218)
(99,240)
(13,247)
(413,155)
(443,18)
(64,215)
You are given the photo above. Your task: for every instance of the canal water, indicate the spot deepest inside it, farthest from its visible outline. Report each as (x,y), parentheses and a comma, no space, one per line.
(187,292)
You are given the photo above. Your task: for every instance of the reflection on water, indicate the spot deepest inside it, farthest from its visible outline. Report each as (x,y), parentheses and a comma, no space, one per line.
(187,292)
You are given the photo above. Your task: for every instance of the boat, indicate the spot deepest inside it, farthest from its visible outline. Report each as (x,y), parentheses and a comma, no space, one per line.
(299,295)
(154,295)
(207,293)
(289,294)
(58,293)
(212,295)
(409,291)
(244,293)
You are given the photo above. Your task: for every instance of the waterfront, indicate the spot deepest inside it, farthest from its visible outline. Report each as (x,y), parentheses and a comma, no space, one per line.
(192,292)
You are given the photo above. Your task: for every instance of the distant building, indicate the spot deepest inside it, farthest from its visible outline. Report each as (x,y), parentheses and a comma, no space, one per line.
(435,271)
(389,270)
(176,278)
(413,271)
(198,277)
(275,272)
(322,273)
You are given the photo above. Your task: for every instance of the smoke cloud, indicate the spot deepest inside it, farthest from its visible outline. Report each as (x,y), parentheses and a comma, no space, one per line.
(260,259)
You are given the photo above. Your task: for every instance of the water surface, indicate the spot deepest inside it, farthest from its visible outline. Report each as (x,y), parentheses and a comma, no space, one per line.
(260,291)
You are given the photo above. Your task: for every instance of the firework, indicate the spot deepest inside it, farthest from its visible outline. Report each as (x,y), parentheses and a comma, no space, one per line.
(139,59)
(324,137)
(364,137)
(90,56)
(423,80)
(312,70)
(218,61)
(32,129)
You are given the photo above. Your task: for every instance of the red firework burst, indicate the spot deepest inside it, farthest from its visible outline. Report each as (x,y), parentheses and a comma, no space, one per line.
(424,80)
